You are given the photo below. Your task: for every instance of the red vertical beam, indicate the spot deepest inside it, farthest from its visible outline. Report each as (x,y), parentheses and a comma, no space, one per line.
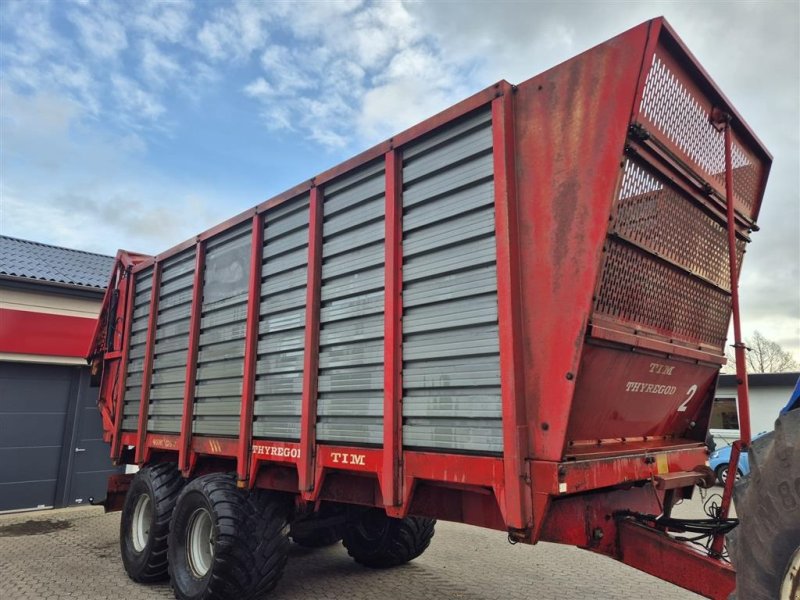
(393,333)
(742,389)
(250,352)
(147,372)
(130,291)
(187,415)
(308,418)
(518,494)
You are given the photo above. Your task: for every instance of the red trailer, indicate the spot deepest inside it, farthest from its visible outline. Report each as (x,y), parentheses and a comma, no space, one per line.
(511,315)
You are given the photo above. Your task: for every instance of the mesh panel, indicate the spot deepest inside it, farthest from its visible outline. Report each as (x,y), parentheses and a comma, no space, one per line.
(656,216)
(641,290)
(672,105)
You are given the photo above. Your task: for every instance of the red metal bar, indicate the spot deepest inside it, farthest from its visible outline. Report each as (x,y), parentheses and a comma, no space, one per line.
(393,333)
(147,373)
(130,291)
(308,419)
(743,392)
(515,441)
(742,389)
(250,352)
(658,554)
(187,416)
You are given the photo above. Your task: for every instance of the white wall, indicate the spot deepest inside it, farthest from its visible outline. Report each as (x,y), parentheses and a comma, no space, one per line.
(766,403)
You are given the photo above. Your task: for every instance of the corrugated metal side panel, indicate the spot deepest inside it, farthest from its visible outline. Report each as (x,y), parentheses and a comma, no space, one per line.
(133,379)
(172,343)
(350,401)
(282,314)
(220,357)
(451,360)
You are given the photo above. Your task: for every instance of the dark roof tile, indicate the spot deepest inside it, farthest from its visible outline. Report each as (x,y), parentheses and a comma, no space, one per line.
(42,262)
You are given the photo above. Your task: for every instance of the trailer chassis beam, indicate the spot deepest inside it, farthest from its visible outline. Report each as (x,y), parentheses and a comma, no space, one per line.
(656,553)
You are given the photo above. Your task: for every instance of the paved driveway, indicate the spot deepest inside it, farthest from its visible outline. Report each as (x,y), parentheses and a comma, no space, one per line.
(74,554)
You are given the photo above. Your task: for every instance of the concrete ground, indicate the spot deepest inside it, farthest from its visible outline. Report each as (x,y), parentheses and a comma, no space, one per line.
(74,554)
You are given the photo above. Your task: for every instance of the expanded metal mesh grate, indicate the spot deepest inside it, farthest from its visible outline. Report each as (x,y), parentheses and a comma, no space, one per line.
(673,107)
(641,290)
(655,215)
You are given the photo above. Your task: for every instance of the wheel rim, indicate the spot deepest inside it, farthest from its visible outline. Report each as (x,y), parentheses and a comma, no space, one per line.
(140,525)
(200,542)
(724,475)
(790,588)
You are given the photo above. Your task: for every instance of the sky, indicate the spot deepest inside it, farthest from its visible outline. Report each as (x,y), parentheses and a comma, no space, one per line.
(140,124)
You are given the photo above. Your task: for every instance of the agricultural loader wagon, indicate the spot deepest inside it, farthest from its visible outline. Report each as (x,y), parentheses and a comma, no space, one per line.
(511,315)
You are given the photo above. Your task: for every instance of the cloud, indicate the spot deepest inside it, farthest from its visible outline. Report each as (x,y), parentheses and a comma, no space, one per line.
(341,73)
(134,99)
(163,21)
(68,183)
(158,69)
(233,33)
(103,84)
(99,30)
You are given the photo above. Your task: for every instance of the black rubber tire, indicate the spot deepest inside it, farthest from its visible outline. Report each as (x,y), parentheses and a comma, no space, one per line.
(163,483)
(379,542)
(719,473)
(320,529)
(319,537)
(251,542)
(767,503)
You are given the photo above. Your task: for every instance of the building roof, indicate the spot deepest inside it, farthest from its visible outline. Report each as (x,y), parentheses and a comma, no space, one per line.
(762,379)
(37,262)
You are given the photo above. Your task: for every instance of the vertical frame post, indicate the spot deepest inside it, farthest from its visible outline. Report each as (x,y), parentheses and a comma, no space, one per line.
(391,477)
(147,372)
(739,347)
(187,415)
(308,418)
(518,496)
(250,352)
(130,292)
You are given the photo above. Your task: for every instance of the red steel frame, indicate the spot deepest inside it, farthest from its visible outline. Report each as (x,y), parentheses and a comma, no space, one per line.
(126,307)
(147,373)
(531,489)
(393,334)
(250,351)
(308,419)
(515,440)
(187,417)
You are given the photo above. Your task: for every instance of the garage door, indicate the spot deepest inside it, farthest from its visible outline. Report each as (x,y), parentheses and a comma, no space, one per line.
(51,451)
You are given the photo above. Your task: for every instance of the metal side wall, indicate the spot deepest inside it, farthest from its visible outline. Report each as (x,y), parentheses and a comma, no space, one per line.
(350,400)
(282,315)
(171,343)
(220,357)
(451,361)
(138,342)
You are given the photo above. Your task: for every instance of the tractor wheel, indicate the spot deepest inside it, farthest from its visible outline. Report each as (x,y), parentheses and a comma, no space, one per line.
(226,543)
(767,502)
(319,529)
(145,521)
(378,541)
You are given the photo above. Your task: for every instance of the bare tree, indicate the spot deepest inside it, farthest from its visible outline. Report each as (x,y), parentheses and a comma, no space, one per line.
(763,356)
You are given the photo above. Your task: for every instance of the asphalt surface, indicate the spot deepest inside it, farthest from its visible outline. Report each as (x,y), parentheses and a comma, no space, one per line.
(74,554)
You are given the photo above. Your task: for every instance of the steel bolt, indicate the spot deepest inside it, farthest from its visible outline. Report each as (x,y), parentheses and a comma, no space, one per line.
(597,534)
